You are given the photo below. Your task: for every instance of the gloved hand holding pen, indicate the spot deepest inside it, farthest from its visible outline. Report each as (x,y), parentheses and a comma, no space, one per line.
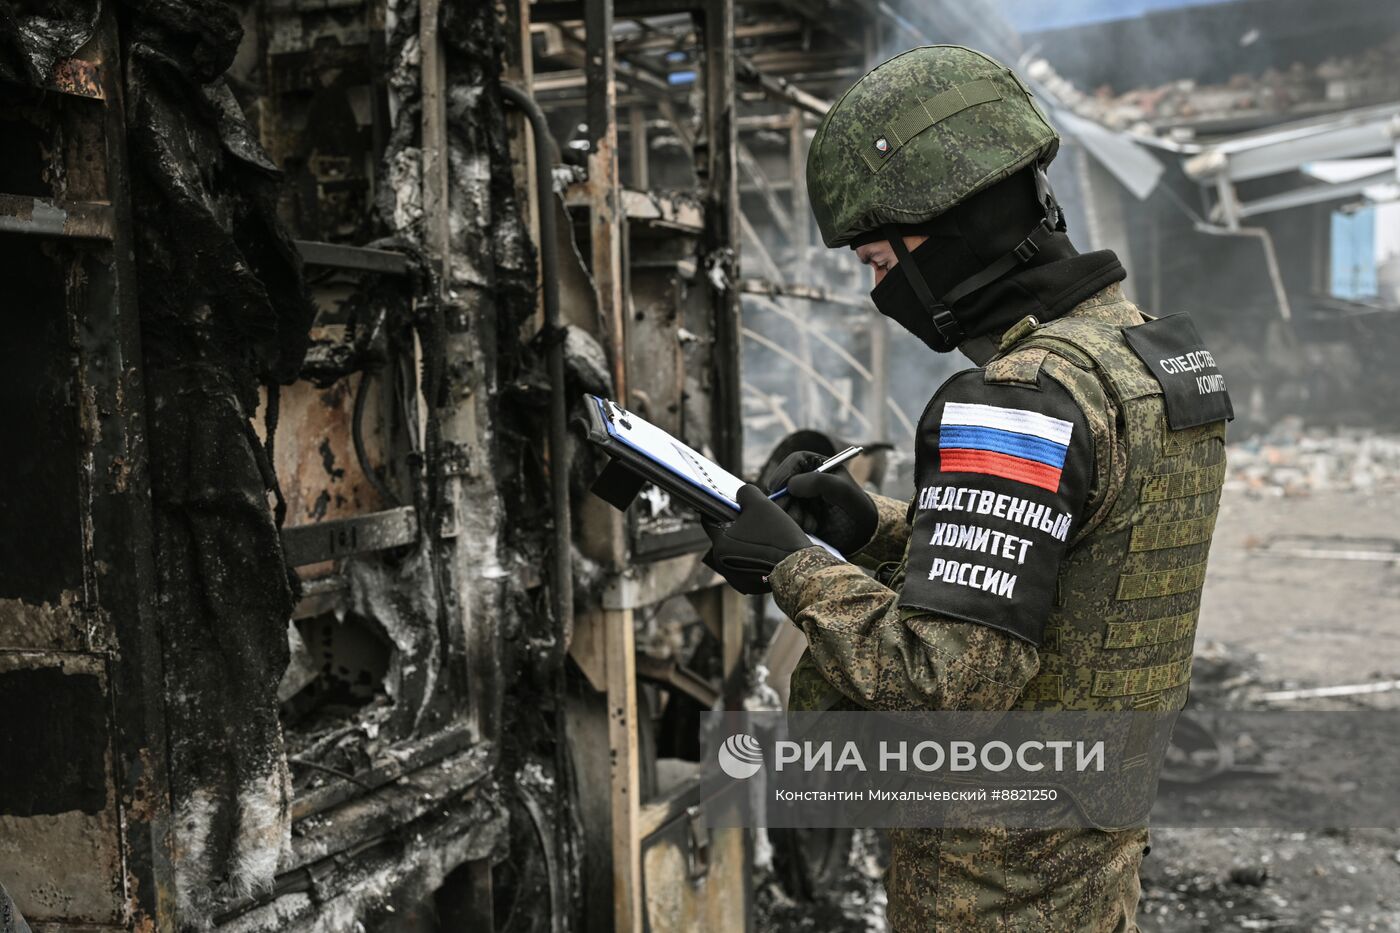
(830,505)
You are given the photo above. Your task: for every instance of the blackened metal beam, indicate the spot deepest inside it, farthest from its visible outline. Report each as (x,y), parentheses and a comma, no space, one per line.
(562,585)
(437,231)
(122,520)
(721,242)
(360,258)
(722,224)
(779,89)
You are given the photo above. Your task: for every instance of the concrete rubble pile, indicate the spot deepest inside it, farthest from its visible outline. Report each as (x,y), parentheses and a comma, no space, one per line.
(1291,460)
(1295,90)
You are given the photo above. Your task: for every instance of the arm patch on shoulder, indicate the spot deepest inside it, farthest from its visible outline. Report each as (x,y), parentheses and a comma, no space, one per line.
(1003,472)
(1193,388)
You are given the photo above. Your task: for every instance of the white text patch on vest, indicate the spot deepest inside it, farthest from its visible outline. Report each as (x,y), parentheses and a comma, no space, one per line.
(973,576)
(1192,362)
(985,502)
(1208,384)
(983,540)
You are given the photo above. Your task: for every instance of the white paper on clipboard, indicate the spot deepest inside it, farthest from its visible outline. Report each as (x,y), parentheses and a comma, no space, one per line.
(681,459)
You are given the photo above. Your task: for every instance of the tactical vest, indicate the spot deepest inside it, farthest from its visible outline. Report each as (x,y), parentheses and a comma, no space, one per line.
(1123,627)
(1129,588)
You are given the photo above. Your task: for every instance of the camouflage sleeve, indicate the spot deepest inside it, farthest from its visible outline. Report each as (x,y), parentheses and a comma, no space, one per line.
(891,534)
(886,657)
(1003,473)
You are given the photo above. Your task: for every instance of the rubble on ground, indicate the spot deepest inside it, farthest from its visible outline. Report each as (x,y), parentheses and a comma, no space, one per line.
(1291,460)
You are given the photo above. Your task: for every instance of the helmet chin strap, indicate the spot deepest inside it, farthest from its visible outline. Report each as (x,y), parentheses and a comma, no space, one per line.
(949,330)
(940,309)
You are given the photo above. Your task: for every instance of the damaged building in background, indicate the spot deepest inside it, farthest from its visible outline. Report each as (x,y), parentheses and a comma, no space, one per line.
(1240,158)
(307,618)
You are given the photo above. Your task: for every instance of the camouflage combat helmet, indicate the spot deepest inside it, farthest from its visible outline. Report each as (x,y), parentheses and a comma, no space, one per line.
(927,129)
(915,137)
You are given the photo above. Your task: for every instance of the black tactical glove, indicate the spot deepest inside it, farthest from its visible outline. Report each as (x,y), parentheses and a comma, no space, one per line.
(831,506)
(747,549)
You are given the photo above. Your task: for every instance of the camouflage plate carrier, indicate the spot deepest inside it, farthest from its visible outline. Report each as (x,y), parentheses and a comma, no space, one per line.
(1129,589)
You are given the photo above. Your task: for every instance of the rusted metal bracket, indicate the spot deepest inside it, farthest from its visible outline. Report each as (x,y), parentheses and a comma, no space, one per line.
(341,537)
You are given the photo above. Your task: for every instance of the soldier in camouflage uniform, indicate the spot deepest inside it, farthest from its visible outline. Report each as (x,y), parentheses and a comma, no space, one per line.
(1066,488)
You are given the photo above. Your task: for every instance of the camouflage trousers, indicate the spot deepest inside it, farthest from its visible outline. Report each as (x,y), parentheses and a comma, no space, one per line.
(1071,880)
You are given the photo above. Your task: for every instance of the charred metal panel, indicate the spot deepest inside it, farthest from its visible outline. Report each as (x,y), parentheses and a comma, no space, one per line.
(40,477)
(663,257)
(326,114)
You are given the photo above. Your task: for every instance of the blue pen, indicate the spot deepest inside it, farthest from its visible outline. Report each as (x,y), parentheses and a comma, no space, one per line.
(831,463)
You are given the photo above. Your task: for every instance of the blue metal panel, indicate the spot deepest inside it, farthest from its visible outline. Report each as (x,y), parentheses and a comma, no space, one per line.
(1354,254)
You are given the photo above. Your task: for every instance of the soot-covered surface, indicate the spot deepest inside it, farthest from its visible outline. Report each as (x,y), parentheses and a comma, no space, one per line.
(222,310)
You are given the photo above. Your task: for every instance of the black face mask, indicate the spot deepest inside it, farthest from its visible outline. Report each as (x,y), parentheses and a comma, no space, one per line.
(969,247)
(897,300)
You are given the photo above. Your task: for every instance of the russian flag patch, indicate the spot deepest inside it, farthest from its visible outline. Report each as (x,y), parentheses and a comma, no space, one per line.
(1019,445)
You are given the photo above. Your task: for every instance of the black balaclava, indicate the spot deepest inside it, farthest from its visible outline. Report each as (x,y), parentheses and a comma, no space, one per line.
(1000,255)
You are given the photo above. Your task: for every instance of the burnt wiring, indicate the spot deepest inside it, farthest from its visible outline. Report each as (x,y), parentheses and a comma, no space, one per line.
(357,436)
(372,362)
(363,350)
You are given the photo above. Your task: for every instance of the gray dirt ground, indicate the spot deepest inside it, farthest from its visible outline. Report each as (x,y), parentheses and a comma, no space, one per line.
(1267,622)
(1305,622)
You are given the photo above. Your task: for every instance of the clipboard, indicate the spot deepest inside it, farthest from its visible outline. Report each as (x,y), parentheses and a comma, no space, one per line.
(639,453)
